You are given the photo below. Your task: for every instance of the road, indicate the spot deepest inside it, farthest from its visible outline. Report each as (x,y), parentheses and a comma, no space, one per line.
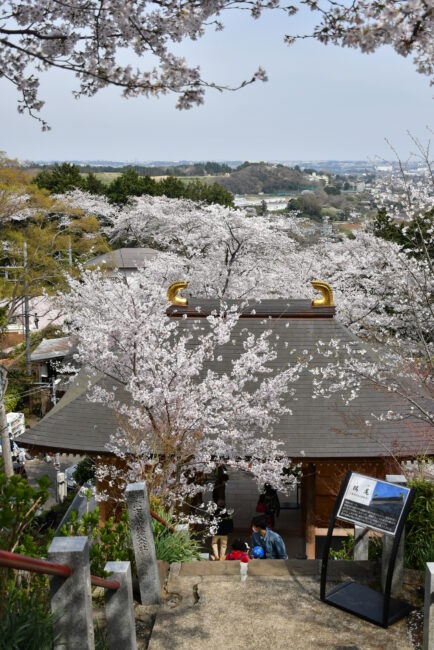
(38,467)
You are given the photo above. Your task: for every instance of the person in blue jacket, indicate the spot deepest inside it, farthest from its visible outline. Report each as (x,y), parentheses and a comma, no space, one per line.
(271,542)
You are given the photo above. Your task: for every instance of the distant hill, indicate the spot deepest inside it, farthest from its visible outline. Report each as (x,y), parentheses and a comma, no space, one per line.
(187,169)
(253,178)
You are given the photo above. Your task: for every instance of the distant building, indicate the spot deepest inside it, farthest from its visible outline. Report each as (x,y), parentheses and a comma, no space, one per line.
(384,168)
(51,381)
(125,260)
(42,312)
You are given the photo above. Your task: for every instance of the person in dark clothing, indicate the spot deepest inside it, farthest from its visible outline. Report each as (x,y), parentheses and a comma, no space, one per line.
(270,505)
(221,478)
(225,526)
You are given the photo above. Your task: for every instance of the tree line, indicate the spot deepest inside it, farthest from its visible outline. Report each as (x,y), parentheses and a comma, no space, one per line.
(67,177)
(187,169)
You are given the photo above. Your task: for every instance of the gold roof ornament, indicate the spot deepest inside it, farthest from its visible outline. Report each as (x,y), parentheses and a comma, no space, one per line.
(172,293)
(326,299)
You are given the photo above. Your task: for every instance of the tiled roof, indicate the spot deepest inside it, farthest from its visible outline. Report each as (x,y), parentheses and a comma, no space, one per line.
(277,308)
(75,424)
(123,258)
(54,349)
(318,428)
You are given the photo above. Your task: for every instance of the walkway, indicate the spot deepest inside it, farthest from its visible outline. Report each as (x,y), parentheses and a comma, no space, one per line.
(215,611)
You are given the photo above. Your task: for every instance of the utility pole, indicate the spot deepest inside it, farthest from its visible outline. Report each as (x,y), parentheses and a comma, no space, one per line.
(8,467)
(69,252)
(26,313)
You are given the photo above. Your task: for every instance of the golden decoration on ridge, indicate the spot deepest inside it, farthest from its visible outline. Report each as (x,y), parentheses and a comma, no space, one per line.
(327,294)
(172,293)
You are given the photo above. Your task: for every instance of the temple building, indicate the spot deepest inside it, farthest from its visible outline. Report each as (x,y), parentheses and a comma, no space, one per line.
(326,436)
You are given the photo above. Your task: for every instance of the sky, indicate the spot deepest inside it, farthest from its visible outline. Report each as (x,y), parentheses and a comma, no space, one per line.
(321,102)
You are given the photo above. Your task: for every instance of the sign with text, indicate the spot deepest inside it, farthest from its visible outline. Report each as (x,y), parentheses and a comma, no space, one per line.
(371,503)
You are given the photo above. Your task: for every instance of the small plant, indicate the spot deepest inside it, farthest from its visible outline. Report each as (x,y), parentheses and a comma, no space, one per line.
(419,527)
(177,546)
(346,551)
(112,540)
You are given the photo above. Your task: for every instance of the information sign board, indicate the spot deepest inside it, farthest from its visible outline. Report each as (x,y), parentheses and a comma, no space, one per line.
(371,503)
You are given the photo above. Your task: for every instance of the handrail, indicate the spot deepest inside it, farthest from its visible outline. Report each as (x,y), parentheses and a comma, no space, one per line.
(16,561)
(161,520)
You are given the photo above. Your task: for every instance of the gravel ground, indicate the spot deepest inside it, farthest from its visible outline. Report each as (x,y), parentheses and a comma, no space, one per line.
(279,613)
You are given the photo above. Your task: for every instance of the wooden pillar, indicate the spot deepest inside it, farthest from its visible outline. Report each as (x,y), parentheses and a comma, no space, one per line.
(310,511)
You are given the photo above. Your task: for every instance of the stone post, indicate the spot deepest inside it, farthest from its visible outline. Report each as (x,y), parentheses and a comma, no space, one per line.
(119,608)
(428,614)
(361,549)
(143,543)
(71,598)
(398,574)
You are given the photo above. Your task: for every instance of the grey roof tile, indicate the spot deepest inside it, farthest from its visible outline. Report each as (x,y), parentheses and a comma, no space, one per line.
(123,258)
(320,428)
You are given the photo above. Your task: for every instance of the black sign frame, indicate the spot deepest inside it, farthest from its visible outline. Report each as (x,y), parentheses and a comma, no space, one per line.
(364,602)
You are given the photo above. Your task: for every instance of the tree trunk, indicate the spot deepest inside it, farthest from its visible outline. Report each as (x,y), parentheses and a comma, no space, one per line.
(6,445)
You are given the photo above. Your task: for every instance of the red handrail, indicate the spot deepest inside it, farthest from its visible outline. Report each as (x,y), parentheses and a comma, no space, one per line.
(16,561)
(96,581)
(161,520)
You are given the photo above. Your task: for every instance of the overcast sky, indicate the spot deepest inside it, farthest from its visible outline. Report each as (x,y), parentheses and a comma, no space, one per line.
(321,102)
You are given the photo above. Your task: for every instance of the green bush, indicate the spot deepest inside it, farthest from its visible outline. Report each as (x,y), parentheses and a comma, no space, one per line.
(419,528)
(12,399)
(19,503)
(25,621)
(85,471)
(177,546)
(346,550)
(111,541)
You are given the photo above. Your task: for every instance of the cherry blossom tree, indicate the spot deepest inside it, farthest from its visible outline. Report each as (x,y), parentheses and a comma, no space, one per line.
(230,253)
(88,38)
(178,414)
(397,314)
(383,294)
(224,252)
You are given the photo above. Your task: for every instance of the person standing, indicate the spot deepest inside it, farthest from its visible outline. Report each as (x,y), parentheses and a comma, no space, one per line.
(271,504)
(221,478)
(219,542)
(271,542)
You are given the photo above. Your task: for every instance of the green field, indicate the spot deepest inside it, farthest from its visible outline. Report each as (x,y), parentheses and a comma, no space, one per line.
(108,177)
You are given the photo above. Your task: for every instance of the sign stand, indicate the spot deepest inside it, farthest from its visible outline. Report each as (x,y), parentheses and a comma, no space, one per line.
(360,600)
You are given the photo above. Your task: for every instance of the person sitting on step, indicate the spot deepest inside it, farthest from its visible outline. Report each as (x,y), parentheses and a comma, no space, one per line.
(271,542)
(239,551)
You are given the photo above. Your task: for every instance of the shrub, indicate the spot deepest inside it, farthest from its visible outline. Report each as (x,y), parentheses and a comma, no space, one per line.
(346,550)
(177,546)
(111,541)
(85,471)
(19,503)
(419,529)
(25,621)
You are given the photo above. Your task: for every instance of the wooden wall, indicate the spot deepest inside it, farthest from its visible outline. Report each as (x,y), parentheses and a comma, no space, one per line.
(320,486)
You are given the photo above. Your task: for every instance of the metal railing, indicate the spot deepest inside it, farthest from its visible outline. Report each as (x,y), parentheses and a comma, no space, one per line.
(25,563)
